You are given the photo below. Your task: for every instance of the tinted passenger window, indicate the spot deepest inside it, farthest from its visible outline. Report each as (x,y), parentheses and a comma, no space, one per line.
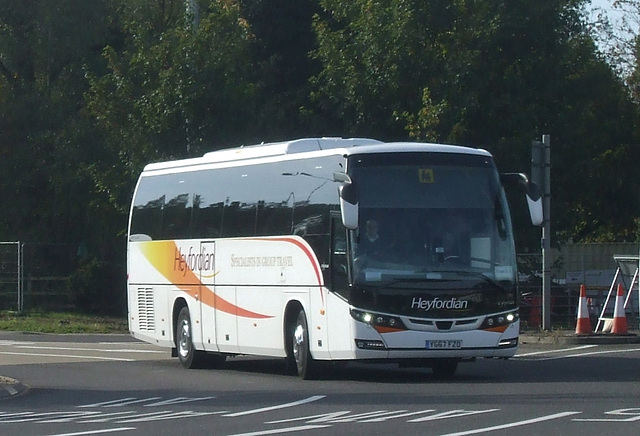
(176,218)
(207,219)
(278,198)
(147,218)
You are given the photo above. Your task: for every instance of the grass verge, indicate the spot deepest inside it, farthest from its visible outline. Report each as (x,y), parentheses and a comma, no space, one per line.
(60,322)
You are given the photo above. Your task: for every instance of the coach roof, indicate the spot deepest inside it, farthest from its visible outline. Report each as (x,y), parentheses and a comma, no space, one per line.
(310,145)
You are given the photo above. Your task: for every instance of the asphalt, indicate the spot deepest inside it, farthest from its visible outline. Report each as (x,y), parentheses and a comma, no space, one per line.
(10,387)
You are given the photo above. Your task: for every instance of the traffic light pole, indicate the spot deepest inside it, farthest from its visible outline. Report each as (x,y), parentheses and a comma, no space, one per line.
(546,236)
(541,174)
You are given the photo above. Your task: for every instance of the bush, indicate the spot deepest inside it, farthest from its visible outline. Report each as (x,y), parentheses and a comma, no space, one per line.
(99,287)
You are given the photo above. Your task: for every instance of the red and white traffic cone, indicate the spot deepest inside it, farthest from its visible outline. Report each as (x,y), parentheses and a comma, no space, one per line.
(619,326)
(583,325)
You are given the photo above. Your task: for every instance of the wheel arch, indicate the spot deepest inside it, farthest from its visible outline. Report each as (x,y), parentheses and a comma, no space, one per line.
(178,304)
(291,311)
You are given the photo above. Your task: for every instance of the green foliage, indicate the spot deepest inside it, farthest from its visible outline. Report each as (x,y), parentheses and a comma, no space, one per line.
(375,56)
(175,88)
(92,286)
(43,46)
(282,37)
(90,92)
(494,75)
(422,126)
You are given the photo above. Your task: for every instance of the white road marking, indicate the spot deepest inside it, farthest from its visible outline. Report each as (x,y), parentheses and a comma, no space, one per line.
(164,415)
(132,401)
(68,417)
(103,431)
(178,400)
(106,403)
(279,406)
(324,417)
(513,424)
(365,415)
(128,416)
(7,414)
(378,416)
(400,415)
(32,416)
(282,430)
(634,414)
(591,353)
(106,417)
(68,356)
(452,414)
(99,350)
(13,343)
(562,350)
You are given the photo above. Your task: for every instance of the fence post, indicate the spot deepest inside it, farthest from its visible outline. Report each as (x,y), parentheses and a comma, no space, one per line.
(20,277)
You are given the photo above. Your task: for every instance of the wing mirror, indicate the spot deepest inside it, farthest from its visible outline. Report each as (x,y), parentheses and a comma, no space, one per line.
(348,200)
(533,193)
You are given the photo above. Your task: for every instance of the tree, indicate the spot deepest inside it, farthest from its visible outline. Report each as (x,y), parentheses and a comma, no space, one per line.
(281,66)
(43,46)
(493,75)
(376,57)
(172,89)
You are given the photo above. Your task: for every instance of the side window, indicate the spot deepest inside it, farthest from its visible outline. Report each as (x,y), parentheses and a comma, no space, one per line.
(147,210)
(275,218)
(207,218)
(239,219)
(147,218)
(176,219)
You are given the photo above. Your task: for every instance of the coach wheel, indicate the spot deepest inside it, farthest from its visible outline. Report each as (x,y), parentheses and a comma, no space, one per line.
(305,364)
(187,354)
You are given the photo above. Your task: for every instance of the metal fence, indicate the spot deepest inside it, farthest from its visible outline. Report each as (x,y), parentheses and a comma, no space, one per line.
(47,270)
(39,276)
(591,265)
(36,276)
(11,273)
(564,297)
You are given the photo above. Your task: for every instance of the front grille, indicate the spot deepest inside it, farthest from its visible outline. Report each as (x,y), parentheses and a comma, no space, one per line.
(444,325)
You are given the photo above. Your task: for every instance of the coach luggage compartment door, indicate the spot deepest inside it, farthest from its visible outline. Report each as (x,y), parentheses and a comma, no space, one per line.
(207,296)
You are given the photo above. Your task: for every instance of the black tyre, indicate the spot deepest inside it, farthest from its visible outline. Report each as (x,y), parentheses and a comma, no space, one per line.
(306,366)
(187,354)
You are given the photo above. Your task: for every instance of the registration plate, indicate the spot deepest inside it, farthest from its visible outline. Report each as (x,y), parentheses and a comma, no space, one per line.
(444,344)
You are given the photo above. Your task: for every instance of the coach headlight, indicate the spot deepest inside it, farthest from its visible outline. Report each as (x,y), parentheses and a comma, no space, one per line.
(500,322)
(382,323)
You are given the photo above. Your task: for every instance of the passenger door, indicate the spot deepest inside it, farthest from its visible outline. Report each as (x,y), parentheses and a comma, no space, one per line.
(339,266)
(207,295)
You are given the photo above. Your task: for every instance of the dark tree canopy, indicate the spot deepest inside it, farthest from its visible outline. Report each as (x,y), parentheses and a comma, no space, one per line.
(92,91)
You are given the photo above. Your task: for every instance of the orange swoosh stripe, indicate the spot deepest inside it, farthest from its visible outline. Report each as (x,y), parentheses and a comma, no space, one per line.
(161,254)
